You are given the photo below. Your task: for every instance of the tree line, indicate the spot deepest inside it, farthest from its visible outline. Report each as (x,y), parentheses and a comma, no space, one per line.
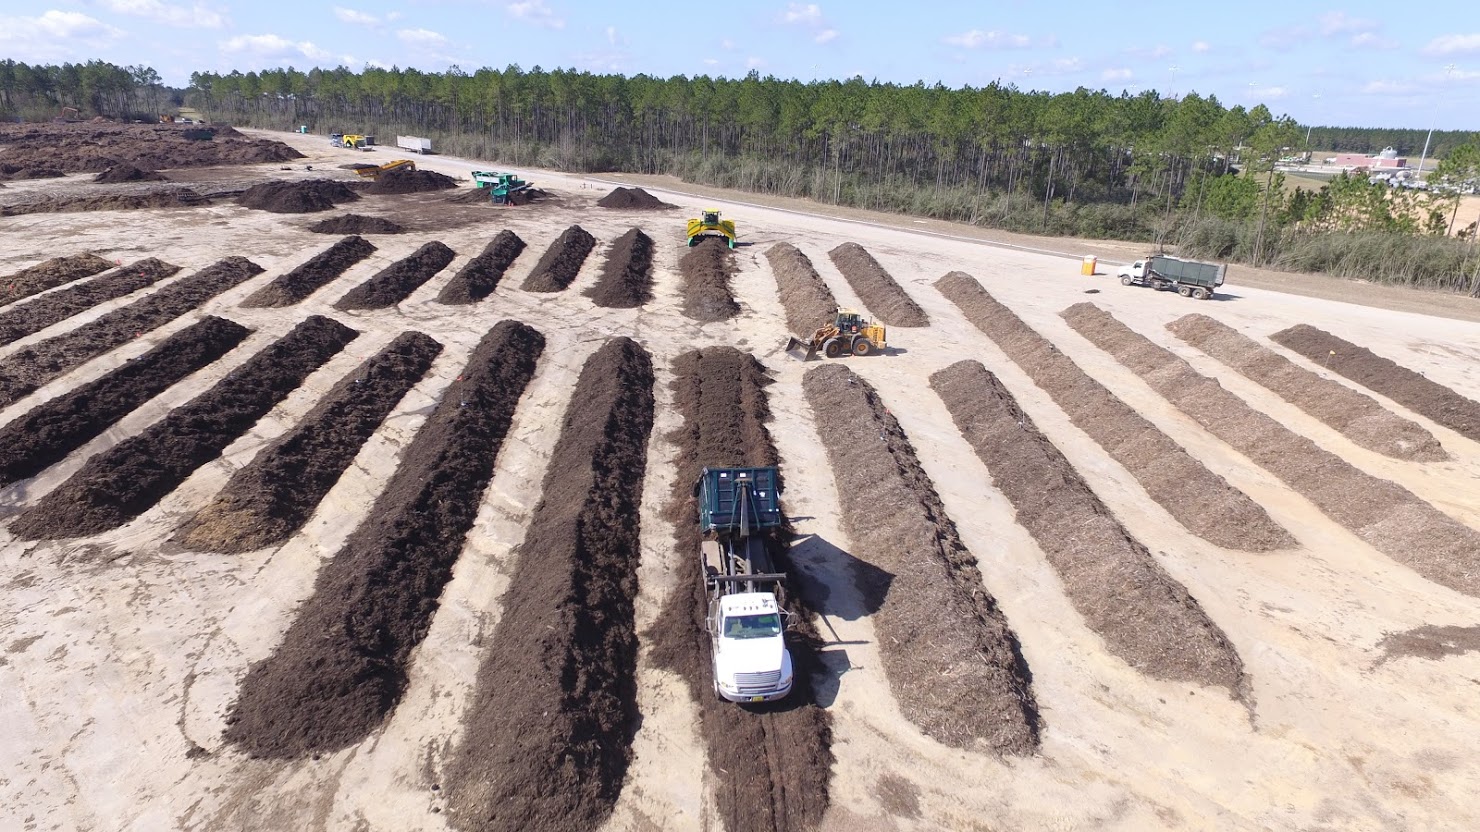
(96,88)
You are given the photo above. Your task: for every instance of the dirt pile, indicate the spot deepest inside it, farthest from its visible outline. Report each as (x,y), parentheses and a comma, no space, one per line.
(478,277)
(9,173)
(62,304)
(397,281)
(341,667)
(1199,499)
(125,172)
(96,147)
(164,197)
(123,482)
(45,435)
(49,275)
(404,181)
(707,269)
(303,197)
(29,368)
(561,262)
(1146,617)
(1358,417)
(877,288)
(1385,377)
(626,279)
(770,767)
(267,501)
(355,224)
(952,659)
(549,736)
(632,199)
(1386,515)
(307,278)
(809,303)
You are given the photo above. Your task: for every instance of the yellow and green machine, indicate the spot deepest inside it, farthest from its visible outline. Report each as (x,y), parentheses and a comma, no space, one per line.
(710,225)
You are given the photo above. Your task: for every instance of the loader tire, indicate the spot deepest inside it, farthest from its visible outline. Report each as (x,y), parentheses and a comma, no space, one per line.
(832,348)
(862,347)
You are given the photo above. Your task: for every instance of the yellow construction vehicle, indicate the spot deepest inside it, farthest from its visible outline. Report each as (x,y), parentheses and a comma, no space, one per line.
(849,334)
(353,141)
(710,225)
(373,171)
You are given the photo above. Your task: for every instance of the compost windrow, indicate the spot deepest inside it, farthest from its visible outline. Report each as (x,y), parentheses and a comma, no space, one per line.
(876,287)
(626,279)
(809,303)
(632,199)
(304,280)
(50,274)
(707,269)
(62,304)
(1145,616)
(1203,502)
(478,277)
(548,737)
(397,281)
(118,485)
(407,181)
(356,224)
(46,434)
(952,659)
(341,666)
(33,366)
(302,197)
(770,767)
(267,501)
(1384,514)
(1385,377)
(561,262)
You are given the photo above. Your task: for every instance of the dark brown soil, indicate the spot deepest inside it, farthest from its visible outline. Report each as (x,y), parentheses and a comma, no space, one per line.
(62,304)
(11,173)
(163,197)
(626,279)
(1431,642)
(396,282)
(809,303)
(953,661)
(1146,617)
(123,482)
(770,767)
(478,277)
(1385,377)
(306,279)
(303,197)
(341,667)
(1358,417)
(878,289)
(96,147)
(549,736)
(561,262)
(707,269)
(356,224)
(276,493)
(45,435)
(49,275)
(1199,499)
(1383,513)
(126,172)
(29,368)
(632,199)
(404,181)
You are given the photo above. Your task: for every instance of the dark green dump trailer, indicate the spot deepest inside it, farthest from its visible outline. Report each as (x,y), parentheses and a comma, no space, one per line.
(1191,278)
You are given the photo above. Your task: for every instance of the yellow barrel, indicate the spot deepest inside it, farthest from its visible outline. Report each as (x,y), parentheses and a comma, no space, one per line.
(1090,262)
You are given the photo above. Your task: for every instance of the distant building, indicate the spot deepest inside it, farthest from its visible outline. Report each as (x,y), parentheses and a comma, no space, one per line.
(1388,158)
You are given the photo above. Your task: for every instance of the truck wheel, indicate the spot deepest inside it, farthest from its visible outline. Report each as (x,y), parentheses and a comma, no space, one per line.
(1184,291)
(1126,280)
(832,348)
(862,346)
(1201,294)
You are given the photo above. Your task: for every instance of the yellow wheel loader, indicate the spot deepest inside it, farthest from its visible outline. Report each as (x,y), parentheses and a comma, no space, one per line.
(710,225)
(375,170)
(849,334)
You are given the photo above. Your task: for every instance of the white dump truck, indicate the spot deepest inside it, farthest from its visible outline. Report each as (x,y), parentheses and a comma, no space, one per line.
(1191,278)
(415,144)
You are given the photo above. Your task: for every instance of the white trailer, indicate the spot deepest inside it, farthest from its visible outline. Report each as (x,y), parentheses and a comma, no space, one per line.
(415,144)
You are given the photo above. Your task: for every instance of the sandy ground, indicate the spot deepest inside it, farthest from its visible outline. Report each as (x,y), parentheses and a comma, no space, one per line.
(120,654)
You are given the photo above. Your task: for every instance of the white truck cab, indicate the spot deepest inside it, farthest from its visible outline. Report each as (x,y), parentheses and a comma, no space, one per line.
(751,662)
(1135,271)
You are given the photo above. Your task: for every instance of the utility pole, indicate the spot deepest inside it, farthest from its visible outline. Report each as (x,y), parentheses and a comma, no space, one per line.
(1448,73)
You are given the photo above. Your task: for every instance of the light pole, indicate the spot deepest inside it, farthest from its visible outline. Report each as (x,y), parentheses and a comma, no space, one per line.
(1448,73)
(1173,69)
(1308,128)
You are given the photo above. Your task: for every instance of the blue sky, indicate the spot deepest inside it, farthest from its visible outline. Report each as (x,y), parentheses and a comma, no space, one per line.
(1365,64)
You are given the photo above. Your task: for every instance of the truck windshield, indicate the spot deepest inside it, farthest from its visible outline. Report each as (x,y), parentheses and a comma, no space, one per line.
(753,626)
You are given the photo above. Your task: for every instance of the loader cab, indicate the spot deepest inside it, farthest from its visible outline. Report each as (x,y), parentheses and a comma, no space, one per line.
(711,216)
(848,321)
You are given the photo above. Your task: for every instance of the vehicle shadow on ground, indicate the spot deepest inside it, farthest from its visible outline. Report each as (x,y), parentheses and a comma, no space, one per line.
(854,588)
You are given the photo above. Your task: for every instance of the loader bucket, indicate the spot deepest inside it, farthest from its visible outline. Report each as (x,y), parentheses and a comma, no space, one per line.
(801,350)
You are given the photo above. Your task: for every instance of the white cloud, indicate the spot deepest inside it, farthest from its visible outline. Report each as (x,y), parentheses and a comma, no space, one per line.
(1268,93)
(754,62)
(1201,46)
(1372,40)
(273,48)
(826,35)
(1452,44)
(710,62)
(611,35)
(393,16)
(1117,74)
(356,17)
(55,24)
(1155,52)
(992,40)
(808,15)
(726,44)
(1067,65)
(535,13)
(421,37)
(1387,88)
(195,16)
(1339,23)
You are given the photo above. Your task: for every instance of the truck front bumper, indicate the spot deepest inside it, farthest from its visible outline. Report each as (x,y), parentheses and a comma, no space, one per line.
(755,697)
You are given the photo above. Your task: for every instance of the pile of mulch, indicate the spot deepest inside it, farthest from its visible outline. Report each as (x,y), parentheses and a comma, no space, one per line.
(478,277)
(1202,501)
(307,278)
(166,197)
(1144,615)
(632,199)
(548,737)
(953,661)
(267,501)
(125,172)
(707,269)
(307,196)
(626,279)
(128,479)
(770,766)
(406,181)
(93,148)
(62,304)
(50,274)
(356,224)
(342,665)
(1384,514)
(880,292)
(1385,377)
(1358,417)
(809,303)
(397,281)
(561,262)
(12,172)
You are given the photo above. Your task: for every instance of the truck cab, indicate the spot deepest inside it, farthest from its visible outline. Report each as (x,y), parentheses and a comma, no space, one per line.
(749,655)
(1135,271)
